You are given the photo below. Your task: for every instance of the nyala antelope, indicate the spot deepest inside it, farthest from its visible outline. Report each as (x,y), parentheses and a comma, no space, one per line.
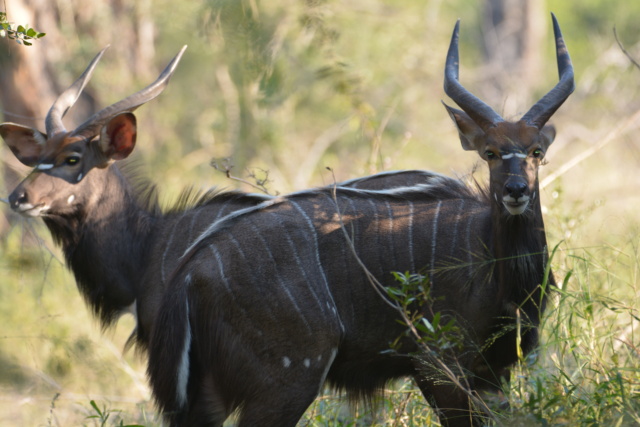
(256,311)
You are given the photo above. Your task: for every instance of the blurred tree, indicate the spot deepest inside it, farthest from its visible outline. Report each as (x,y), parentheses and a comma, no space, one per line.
(513,32)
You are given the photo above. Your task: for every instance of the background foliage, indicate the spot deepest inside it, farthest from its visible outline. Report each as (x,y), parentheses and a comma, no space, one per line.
(292,87)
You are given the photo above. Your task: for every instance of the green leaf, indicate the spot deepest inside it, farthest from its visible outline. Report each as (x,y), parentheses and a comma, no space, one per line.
(31,32)
(41,35)
(21,29)
(95,407)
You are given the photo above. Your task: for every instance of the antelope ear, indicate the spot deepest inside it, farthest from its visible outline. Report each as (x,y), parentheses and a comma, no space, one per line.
(468,130)
(118,136)
(548,133)
(26,143)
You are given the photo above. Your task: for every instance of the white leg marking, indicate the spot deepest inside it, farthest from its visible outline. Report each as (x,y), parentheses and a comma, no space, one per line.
(332,356)
(318,263)
(183,367)
(434,240)
(286,362)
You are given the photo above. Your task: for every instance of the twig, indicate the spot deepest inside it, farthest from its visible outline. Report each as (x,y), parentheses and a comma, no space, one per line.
(633,61)
(226,167)
(611,136)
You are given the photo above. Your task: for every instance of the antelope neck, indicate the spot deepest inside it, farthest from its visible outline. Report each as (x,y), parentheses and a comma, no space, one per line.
(105,244)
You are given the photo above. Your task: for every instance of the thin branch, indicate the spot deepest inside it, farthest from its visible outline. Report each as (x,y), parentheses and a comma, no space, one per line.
(633,61)
(621,129)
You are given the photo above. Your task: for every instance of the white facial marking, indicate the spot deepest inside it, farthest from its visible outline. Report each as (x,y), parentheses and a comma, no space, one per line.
(79,176)
(286,362)
(306,363)
(44,166)
(71,199)
(510,155)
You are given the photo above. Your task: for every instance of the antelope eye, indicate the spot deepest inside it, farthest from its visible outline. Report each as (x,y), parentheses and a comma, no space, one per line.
(490,155)
(72,160)
(537,153)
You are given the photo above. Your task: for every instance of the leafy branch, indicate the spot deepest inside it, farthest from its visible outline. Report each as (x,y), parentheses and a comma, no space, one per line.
(22,34)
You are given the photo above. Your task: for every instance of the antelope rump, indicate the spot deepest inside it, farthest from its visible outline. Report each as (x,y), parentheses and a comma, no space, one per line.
(251,303)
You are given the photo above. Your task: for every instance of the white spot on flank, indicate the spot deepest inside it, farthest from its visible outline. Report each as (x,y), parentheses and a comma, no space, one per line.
(286,362)
(79,177)
(71,199)
(183,367)
(44,166)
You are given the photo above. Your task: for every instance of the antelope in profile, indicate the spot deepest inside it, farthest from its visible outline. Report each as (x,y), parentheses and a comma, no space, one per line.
(116,240)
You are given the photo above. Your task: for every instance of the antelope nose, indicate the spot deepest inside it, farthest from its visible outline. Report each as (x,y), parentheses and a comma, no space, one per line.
(18,198)
(516,189)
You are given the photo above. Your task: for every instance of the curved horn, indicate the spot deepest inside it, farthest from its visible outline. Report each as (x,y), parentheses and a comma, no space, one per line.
(544,109)
(481,113)
(53,121)
(91,127)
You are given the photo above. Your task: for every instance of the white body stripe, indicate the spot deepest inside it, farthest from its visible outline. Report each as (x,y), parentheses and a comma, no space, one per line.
(454,239)
(166,250)
(410,230)
(283,285)
(318,262)
(434,237)
(183,367)
(292,245)
(469,254)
